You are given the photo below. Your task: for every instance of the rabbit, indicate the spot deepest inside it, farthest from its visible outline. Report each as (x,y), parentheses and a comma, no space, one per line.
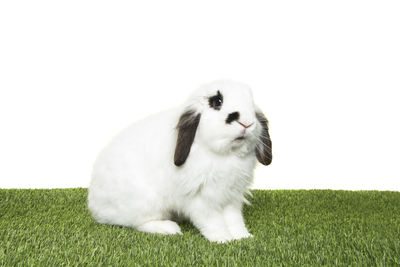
(194,162)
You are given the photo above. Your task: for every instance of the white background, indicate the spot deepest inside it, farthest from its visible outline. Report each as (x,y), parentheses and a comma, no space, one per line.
(326,73)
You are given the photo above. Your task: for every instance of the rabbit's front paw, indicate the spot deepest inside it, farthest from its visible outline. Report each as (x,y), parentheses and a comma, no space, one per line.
(241,234)
(161,227)
(218,237)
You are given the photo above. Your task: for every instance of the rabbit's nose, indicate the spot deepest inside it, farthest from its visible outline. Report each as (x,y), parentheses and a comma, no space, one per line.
(245,125)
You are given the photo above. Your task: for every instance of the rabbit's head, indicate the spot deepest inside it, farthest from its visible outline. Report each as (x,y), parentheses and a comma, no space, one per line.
(222,116)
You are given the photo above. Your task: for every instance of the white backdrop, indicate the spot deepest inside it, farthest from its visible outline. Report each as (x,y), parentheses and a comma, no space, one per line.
(326,73)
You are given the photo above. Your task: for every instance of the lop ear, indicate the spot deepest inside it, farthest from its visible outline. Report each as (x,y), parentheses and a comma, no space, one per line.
(264,146)
(186,127)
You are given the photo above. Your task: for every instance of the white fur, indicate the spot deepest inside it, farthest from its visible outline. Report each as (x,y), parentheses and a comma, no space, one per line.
(135,182)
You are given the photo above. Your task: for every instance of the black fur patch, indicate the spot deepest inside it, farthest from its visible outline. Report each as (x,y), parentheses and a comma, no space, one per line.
(187,126)
(216,101)
(234,116)
(264,147)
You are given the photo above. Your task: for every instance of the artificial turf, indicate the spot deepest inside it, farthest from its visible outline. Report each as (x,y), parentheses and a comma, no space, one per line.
(290,227)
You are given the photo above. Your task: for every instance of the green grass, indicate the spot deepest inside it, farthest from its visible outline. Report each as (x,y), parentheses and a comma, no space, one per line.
(290,227)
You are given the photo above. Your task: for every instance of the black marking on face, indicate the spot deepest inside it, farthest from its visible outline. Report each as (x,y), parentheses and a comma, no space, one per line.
(216,101)
(234,116)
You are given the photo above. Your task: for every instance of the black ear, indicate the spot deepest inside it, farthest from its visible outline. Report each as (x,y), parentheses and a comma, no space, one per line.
(264,147)
(186,127)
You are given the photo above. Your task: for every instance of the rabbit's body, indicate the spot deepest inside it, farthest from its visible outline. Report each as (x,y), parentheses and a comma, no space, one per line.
(135,184)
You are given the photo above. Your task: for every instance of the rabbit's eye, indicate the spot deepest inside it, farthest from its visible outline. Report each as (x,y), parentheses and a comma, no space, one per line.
(216,101)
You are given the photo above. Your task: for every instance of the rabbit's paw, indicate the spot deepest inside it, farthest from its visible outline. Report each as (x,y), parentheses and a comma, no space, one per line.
(161,227)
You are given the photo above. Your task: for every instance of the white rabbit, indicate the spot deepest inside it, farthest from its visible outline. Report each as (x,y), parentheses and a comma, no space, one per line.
(195,162)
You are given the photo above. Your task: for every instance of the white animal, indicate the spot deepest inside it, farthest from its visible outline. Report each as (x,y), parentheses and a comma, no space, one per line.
(195,162)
